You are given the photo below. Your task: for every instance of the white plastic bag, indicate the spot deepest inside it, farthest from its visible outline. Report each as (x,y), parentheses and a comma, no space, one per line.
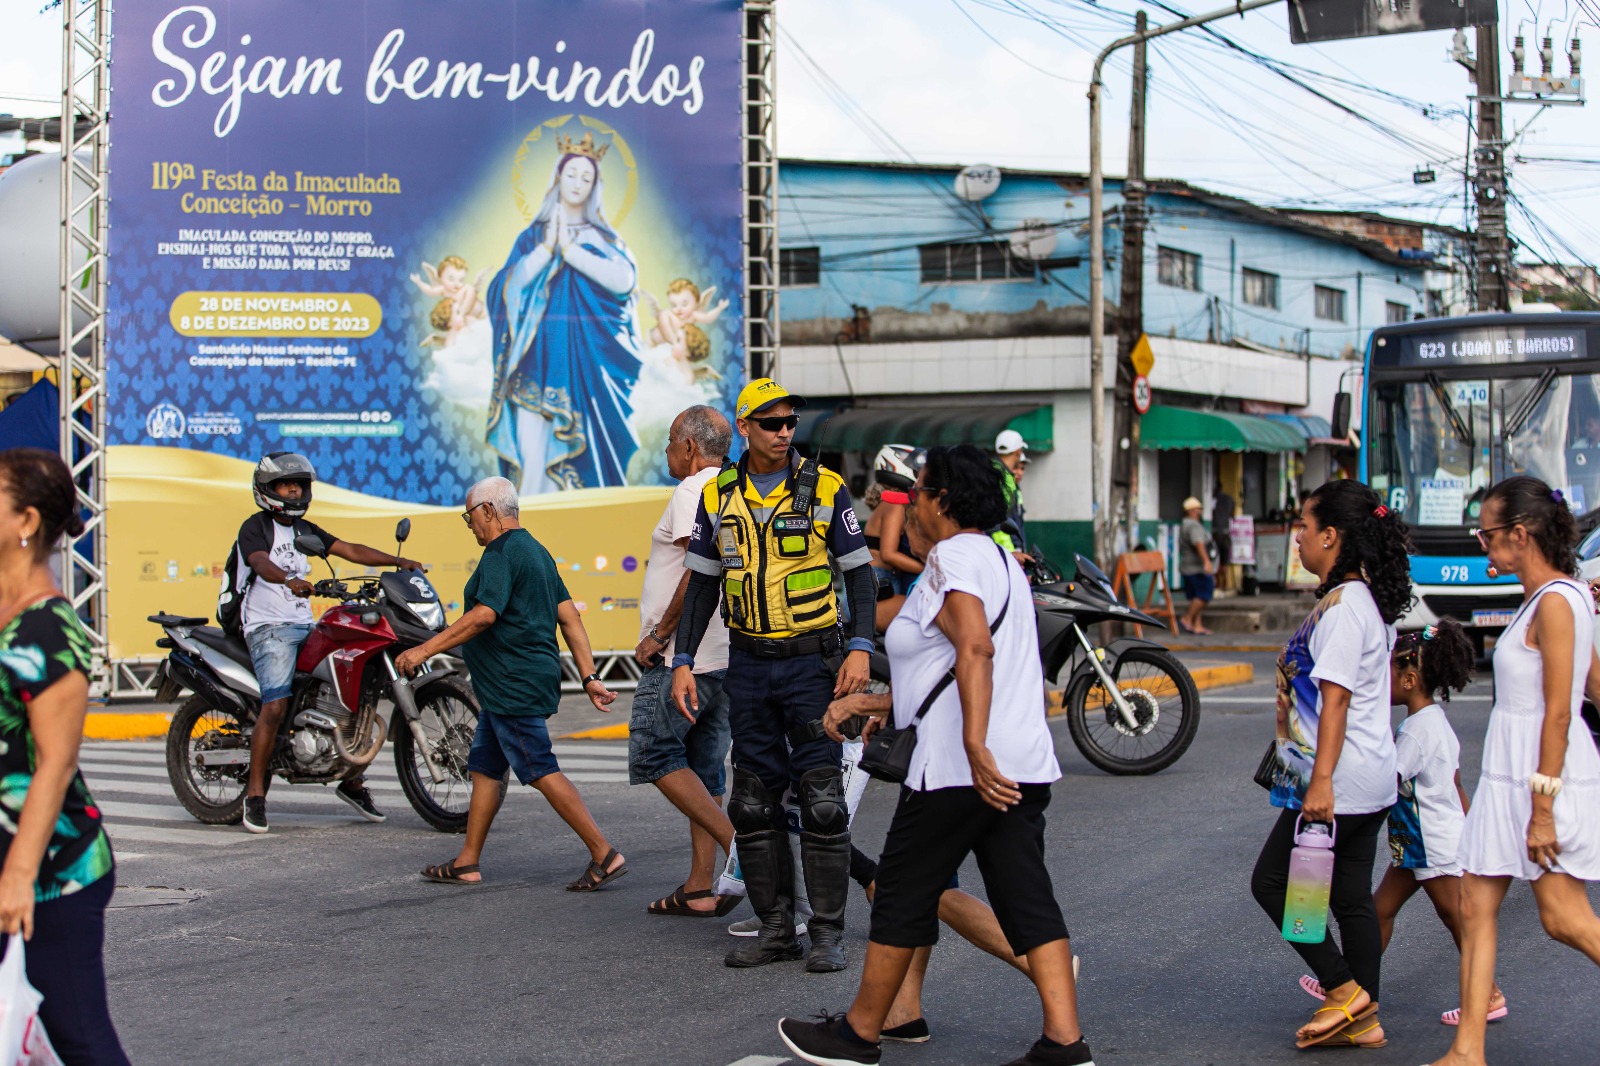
(23,1041)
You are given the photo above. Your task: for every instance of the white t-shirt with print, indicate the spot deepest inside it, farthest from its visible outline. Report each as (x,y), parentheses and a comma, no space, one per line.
(920,654)
(1351,647)
(1427,754)
(268,604)
(666,568)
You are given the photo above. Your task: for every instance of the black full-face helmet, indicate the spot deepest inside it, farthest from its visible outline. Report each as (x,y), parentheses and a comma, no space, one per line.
(276,468)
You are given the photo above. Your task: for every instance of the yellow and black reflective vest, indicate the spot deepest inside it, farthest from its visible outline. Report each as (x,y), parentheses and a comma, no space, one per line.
(776,579)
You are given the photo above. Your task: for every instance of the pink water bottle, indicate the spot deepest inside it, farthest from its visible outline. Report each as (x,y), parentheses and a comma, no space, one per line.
(1305,909)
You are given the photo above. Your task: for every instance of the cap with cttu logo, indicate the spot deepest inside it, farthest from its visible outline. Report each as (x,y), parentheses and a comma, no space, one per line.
(761,394)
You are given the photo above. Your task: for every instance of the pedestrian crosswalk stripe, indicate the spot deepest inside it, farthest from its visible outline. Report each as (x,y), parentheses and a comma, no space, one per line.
(129,782)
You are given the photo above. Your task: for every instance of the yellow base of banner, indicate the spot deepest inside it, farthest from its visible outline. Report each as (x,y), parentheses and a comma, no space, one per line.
(173,513)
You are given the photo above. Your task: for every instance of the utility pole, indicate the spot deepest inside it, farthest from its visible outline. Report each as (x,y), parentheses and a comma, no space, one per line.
(1489,180)
(1130,305)
(1097,268)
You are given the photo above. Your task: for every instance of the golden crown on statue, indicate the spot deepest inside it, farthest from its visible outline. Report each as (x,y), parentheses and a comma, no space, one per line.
(586,147)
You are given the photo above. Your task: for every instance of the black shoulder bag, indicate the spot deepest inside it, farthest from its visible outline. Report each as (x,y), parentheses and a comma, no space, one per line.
(887,753)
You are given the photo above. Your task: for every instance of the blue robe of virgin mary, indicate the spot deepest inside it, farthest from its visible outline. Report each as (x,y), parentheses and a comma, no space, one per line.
(569,353)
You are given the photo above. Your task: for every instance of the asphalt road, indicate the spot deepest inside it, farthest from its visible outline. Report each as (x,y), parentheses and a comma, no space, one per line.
(319,943)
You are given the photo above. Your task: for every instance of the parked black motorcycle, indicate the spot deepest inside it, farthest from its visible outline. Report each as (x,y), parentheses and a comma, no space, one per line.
(1131,706)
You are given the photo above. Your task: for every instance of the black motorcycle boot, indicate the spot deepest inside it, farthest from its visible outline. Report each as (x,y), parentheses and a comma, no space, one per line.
(768,873)
(826,860)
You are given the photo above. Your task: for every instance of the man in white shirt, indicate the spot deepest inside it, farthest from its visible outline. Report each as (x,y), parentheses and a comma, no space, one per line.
(684,759)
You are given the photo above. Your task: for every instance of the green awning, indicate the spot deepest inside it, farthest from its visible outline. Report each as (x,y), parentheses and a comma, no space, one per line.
(1175,428)
(866,429)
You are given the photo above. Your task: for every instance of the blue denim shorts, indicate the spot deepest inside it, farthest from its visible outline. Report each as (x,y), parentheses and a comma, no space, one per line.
(273,650)
(660,740)
(1200,587)
(516,742)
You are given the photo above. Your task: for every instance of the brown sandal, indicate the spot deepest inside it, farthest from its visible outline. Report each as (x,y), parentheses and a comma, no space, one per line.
(448,873)
(595,876)
(677,904)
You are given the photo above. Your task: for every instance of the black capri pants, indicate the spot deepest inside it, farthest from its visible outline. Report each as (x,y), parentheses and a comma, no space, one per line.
(932,834)
(65,963)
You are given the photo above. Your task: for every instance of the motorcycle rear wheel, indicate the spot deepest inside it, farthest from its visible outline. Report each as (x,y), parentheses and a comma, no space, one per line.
(448,713)
(215,797)
(1166,703)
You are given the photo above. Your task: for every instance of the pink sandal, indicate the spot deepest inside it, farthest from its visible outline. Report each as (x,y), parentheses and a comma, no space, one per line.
(1313,988)
(1453,1017)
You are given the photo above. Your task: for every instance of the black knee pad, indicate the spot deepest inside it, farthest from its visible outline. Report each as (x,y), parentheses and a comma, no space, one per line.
(751,807)
(822,806)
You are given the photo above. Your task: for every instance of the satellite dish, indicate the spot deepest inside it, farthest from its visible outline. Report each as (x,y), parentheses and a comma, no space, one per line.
(978,182)
(1033,240)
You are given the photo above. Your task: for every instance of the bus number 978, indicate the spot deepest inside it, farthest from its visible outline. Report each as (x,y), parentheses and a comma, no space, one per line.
(1453,573)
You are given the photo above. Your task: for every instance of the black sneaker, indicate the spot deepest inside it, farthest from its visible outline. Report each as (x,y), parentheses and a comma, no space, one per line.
(360,797)
(913,1032)
(825,1043)
(1073,1054)
(255,814)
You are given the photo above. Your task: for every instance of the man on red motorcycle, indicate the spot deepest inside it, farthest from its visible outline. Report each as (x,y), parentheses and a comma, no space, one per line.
(276,613)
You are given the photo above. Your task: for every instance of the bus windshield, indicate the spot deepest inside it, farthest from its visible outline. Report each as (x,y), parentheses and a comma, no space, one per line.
(1436,446)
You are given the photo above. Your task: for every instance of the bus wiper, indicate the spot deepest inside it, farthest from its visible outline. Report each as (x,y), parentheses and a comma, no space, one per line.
(1523,411)
(1457,427)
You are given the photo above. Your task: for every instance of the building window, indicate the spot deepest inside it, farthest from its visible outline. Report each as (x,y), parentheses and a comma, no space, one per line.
(1393,312)
(1330,303)
(971,261)
(1181,270)
(799,266)
(1260,288)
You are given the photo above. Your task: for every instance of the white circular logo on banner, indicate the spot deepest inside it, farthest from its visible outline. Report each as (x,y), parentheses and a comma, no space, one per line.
(164,422)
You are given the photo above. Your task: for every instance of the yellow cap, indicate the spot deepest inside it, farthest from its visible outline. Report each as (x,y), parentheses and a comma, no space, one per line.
(763,392)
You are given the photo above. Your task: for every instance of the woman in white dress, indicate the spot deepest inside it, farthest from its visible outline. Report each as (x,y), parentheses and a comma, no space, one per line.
(1536,813)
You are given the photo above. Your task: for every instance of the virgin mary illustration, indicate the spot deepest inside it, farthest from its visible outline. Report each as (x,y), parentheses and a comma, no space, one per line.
(566,338)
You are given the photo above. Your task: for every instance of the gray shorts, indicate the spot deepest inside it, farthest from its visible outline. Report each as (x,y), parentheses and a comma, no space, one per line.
(661,741)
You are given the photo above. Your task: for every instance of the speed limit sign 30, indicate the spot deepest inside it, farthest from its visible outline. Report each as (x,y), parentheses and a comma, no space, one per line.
(1141,394)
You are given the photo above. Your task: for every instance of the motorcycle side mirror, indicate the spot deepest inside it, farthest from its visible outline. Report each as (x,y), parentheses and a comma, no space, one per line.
(311,544)
(402,531)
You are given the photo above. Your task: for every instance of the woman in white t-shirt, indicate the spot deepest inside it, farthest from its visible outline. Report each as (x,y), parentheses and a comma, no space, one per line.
(980,777)
(1334,759)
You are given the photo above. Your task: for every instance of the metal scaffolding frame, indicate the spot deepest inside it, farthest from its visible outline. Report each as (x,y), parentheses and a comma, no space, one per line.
(85,107)
(761,273)
(87,37)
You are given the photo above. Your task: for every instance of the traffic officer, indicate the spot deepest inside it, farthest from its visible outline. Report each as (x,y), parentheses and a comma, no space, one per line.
(759,551)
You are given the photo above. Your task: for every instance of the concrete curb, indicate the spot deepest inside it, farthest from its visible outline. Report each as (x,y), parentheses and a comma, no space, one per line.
(1205,677)
(109,725)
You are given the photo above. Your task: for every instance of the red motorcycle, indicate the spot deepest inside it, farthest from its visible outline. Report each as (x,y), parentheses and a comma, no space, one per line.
(336,721)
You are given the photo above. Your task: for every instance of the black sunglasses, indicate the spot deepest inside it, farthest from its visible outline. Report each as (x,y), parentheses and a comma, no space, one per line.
(466,516)
(774,424)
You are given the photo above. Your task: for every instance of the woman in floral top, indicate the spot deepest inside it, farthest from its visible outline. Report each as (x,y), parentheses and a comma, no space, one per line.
(57,873)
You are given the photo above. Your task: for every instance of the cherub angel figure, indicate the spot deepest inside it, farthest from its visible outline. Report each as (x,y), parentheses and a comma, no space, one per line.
(449,280)
(678,326)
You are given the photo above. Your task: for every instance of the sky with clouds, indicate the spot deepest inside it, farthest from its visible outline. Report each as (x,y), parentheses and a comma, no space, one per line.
(1004,81)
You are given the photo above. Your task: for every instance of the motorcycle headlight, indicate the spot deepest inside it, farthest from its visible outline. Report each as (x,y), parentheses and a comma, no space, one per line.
(430,614)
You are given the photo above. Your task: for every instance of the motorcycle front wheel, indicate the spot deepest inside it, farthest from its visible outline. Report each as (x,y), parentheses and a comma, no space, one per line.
(214,795)
(1166,708)
(447,712)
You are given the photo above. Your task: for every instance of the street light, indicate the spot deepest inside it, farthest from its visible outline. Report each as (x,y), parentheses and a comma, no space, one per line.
(1097,270)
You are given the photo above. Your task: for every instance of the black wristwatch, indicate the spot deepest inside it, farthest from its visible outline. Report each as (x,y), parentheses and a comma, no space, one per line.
(591,677)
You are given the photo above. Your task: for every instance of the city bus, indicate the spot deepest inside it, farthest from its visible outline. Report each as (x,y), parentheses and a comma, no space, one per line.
(1453,405)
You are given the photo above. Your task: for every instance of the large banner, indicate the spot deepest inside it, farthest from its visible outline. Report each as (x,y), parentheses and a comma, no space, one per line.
(423,243)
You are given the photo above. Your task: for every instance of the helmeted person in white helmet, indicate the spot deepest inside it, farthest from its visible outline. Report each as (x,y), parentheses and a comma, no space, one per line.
(1012,451)
(276,614)
(894,470)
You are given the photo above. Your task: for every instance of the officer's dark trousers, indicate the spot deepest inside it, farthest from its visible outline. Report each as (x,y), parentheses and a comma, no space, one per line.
(766,699)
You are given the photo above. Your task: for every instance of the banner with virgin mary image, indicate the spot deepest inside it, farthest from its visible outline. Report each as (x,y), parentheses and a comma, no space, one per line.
(421,243)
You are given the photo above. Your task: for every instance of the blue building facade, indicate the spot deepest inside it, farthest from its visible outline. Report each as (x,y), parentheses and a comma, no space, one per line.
(898,294)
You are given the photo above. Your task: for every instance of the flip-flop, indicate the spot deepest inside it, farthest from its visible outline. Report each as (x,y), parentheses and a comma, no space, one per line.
(1312,987)
(448,873)
(595,876)
(1453,1017)
(1350,1019)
